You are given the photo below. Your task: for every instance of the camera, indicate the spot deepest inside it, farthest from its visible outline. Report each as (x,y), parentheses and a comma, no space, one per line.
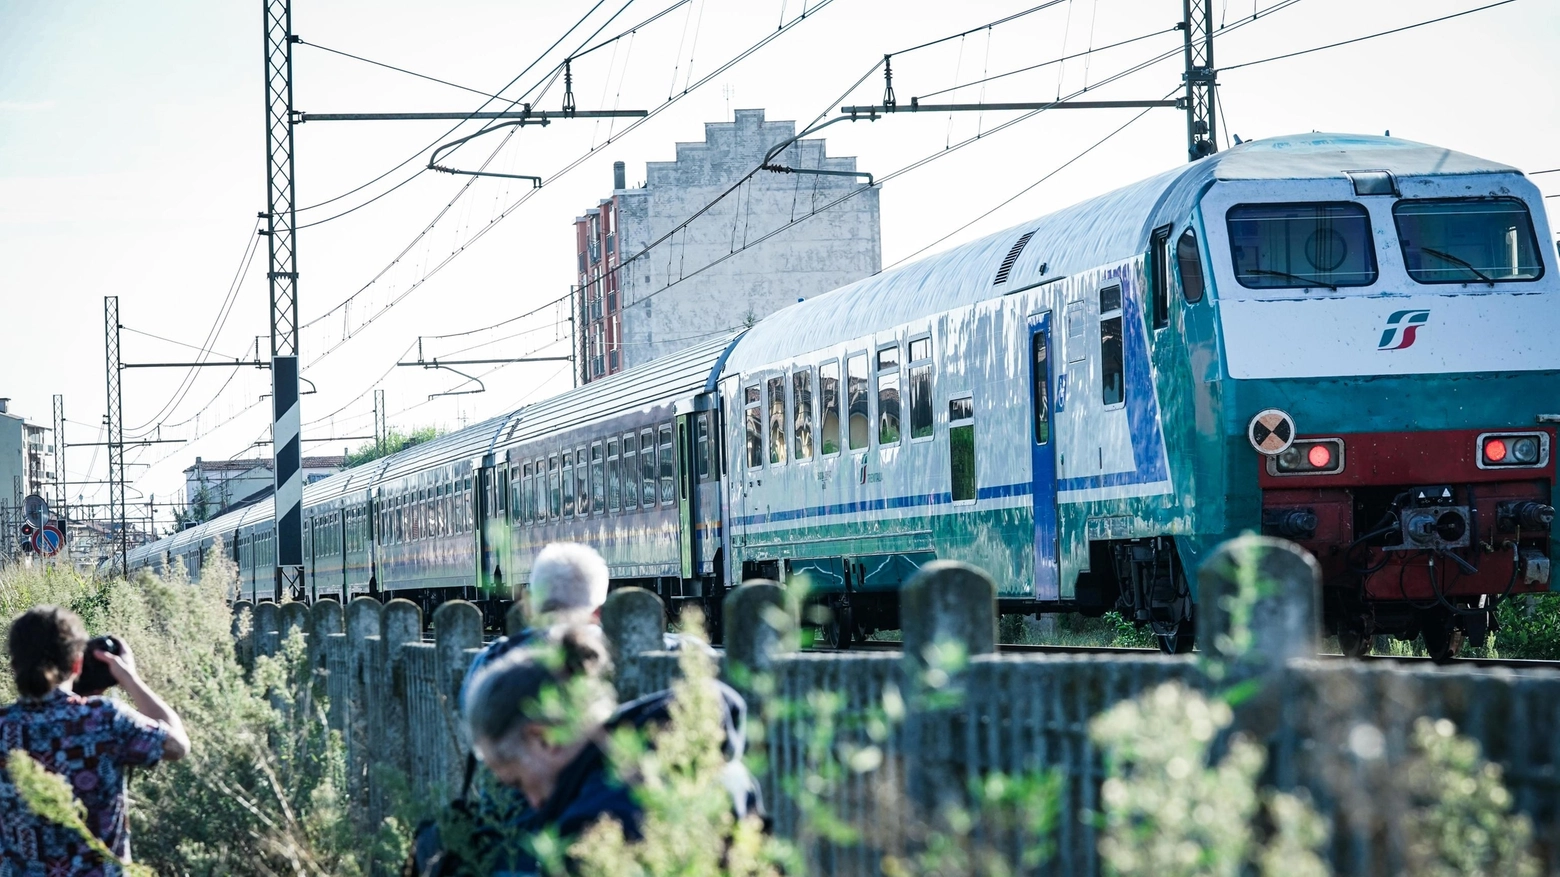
(95,677)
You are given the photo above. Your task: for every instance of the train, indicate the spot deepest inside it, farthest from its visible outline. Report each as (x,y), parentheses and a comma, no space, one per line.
(1345,341)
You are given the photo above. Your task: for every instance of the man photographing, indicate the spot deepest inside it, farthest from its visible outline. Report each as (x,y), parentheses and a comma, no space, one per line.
(89,741)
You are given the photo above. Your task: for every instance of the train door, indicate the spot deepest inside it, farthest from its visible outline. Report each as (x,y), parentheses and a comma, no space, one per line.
(685,502)
(1043,459)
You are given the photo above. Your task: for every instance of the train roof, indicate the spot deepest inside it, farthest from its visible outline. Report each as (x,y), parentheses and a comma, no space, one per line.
(1109,228)
(675,378)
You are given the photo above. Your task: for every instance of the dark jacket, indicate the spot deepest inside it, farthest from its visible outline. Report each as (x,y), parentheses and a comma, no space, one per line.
(587,789)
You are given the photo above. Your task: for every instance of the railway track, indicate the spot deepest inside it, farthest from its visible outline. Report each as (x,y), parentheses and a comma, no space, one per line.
(1519,664)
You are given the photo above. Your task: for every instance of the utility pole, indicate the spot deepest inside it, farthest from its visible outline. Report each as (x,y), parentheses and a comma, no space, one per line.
(286,419)
(61,497)
(381,432)
(1200,76)
(118,547)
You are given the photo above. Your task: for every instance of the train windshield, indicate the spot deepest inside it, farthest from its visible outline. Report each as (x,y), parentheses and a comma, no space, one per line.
(1301,246)
(1467,240)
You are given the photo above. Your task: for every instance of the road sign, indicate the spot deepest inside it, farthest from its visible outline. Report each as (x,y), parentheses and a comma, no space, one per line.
(36,509)
(47,540)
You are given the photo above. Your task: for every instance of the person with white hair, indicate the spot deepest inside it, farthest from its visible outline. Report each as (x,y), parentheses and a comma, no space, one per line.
(568,586)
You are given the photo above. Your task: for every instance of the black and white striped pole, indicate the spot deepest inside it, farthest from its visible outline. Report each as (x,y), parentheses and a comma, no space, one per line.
(286,442)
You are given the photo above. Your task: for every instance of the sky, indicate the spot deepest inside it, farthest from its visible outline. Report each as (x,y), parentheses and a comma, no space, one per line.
(132,164)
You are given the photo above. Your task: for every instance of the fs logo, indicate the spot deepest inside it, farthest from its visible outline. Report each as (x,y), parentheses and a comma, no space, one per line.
(1400,330)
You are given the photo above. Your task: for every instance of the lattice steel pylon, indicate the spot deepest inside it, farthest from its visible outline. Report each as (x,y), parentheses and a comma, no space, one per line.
(119,531)
(286,422)
(61,487)
(1200,77)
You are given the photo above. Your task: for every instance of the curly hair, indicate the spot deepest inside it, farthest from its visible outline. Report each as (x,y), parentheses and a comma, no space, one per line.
(45,643)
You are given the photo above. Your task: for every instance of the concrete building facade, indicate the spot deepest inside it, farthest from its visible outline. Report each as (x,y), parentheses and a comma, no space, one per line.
(26,458)
(212,487)
(724,270)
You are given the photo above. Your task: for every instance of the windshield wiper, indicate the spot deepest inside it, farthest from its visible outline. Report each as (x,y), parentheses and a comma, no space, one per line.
(1459,263)
(1308,281)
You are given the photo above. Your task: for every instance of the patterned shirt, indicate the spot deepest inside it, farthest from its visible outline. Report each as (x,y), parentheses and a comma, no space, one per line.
(90,741)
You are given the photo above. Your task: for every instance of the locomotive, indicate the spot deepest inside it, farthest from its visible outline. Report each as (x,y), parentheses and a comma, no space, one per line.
(1345,341)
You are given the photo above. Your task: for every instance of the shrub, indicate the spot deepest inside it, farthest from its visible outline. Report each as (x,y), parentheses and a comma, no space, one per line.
(262,790)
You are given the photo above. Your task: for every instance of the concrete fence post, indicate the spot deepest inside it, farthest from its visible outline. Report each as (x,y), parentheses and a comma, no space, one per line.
(1258,605)
(759,625)
(364,641)
(1258,608)
(948,614)
(948,604)
(457,627)
(634,621)
(266,628)
(403,626)
(294,617)
(326,620)
(244,633)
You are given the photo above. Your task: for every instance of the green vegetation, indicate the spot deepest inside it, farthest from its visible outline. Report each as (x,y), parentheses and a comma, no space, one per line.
(263,789)
(395,441)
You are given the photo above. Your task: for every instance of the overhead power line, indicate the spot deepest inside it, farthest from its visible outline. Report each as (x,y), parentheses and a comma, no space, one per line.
(414,156)
(1366,37)
(351,331)
(305,42)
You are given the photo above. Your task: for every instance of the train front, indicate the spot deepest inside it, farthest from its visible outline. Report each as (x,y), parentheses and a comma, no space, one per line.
(1389,316)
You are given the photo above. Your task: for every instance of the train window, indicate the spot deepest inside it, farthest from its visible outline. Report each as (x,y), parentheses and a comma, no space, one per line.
(581,483)
(668,473)
(829,399)
(961,448)
(554,489)
(701,446)
(777,440)
(1465,240)
(614,478)
(647,468)
(888,395)
(857,400)
(1113,388)
(753,417)
(1188,258)
(801,404)
(539,501)
(1301,246)
(598,479)
(1040,378)
(1077,332)
(630,472)
(921,420)
(1159,274)
(523,506)
(568,485)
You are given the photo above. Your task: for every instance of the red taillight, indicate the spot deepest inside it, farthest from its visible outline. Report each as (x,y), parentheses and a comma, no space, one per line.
(1495,450)
(1319,456)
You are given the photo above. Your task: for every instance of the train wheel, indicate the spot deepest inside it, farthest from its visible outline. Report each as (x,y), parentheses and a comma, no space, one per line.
(1177,638)
(837,631)
(1442,640)
(1354,643)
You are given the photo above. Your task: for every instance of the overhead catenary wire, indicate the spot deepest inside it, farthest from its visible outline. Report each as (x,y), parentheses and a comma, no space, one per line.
(1366,37)
(493,223)
(1027,189)
(251,247)
(305,42)
(1282,4)
(414,156)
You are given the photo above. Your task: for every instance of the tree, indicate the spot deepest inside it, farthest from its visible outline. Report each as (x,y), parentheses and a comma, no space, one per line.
(394,441)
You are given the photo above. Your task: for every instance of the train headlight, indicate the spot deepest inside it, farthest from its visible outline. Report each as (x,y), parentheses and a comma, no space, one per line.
(1525,450)
(1513,450)
(1309,457)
